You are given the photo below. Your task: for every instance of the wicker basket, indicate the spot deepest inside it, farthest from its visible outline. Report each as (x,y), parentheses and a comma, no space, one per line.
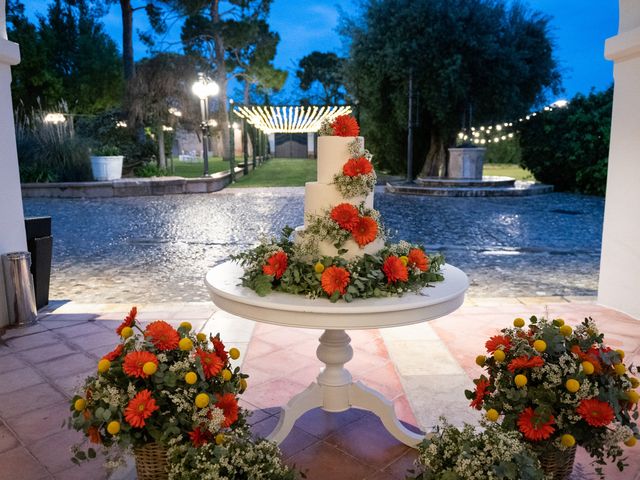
(558,463)
(151,462)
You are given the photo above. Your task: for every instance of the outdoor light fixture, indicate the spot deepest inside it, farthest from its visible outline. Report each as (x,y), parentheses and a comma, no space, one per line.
(203,89)
(212,123)
(298,119)
(121,124)
(54,118)
(175,112)
(560,103)
(167,129)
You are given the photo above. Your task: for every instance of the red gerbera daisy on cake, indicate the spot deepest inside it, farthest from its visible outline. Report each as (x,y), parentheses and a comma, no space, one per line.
(199,436)
(335,279)
(140,408)
(357,166)
(595,412)
(211,363)
(128,321)
(115,353)
(418,259)
(162,335)
(498,341)
(481,391)
(365,231)
(534,427)
(345,126)
(395,270)
(276,265)
(525,362)
(229,406)
(345,215)
(134,361)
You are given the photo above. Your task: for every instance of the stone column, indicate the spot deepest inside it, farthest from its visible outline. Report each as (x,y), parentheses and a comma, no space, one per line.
(12,237)
(619,286)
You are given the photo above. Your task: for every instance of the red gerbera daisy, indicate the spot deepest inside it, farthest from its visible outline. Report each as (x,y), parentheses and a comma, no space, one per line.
(345,215)
(276,265)
(134,361)
(220,348)
(525,362)
(335,279)
(211,363)
(365,231)
(140,408)
(481,390)
(199,436)
(418,259)
(595,412)
(590,356)
(395,270)
(229,406)
(498,341)
(162,335)
(534,427)
(115,353)
(345,126)
(357,166)
(128,321)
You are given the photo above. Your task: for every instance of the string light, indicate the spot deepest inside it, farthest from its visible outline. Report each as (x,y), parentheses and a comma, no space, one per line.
(121,124)
(289,119)
(54,118)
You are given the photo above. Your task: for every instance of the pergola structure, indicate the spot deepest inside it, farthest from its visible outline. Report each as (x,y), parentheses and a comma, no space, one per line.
(619,286)
(289,119)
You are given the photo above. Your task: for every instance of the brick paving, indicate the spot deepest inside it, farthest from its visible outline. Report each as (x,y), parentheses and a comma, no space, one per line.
(423,368)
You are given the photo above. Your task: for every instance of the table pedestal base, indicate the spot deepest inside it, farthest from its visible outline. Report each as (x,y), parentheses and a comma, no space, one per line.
(335,391)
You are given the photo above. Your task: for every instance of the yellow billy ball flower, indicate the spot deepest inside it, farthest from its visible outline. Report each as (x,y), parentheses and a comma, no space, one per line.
(234,353)
(80,404)
(572,385)
(201,337)
(558,322)
(318,267)
(185,344)
(499,355)
(566,330)
(149,368)
(226,374)
(540,345)
(567,440)
(631,441)
(518,322)
(114,427)
(635,383)
(620,368)
(492,415)
(220,439)
(186,325)
(480,360)
(633,396)
(103,365)
(588,367)
(520,380)
(243,384)
(621,353)
(191,377)
(126,332)
(202,400)
(404,259)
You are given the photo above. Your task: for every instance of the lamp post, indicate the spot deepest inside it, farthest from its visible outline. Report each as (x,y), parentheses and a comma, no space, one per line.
(203,89)
(232,143)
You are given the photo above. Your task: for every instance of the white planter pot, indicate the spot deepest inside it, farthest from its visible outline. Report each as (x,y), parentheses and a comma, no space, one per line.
(107,168)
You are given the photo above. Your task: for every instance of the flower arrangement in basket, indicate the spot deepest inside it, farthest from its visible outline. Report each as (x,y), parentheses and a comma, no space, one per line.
(466,454)
(559,387)
(161,386)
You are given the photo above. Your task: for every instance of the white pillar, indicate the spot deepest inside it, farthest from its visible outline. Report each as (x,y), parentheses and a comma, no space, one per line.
(12,234)
(619,286)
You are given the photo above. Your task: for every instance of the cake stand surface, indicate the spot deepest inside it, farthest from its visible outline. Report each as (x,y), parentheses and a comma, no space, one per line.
(334,389)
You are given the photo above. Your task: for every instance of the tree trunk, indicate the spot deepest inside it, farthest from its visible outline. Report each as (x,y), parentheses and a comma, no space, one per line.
(162,160)
(127,39)
(435,163)
(221,79)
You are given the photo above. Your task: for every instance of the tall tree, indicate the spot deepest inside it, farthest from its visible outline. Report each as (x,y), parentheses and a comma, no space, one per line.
(487,56)
(325,70)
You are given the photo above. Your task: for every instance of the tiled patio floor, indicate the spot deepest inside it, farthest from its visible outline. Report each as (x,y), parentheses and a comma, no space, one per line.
(423,368)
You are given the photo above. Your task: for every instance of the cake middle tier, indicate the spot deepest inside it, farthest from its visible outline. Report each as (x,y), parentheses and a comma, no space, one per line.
(333,153)
(320,197)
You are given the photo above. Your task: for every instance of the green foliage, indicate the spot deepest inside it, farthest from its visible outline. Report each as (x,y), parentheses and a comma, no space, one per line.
(569,147)
(326,71)
(50,153)
(150,170)
(507,151)
(106,151)
(492,56)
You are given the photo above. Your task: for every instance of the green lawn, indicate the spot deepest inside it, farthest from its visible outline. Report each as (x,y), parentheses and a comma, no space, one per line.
(280,172)
(194,170)
(507,170)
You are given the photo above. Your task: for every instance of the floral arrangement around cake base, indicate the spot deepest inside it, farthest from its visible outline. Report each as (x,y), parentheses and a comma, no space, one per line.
(558,387)
(162,387)
(279,265)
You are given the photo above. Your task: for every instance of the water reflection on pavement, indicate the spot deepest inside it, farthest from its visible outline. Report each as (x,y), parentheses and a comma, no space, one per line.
(158,249)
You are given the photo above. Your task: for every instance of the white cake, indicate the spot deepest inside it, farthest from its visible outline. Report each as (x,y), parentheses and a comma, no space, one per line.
(321,196)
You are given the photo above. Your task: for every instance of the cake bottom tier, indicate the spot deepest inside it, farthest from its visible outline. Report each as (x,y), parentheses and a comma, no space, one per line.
(326,248)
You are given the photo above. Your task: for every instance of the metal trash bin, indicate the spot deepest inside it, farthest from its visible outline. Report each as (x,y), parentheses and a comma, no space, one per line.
(21,299)
(40,245)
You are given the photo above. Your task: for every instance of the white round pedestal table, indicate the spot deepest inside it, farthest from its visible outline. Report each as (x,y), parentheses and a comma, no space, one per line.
(334,389)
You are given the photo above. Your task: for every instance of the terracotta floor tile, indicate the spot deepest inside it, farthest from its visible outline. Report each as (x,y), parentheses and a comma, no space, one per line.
(11,362)
(364,363)
(32,341)
(7,439)
(322,424)
(66,366)
(400,467)
(384,379)
(258,348)
(285,361)
(404,412)
(91,470)
(37,424)
(285,337)
(326,462)
(296,441)
(47,353)
(18,464)
(53,451)
(264,427)
(69,384)
(273,393)
(257,375)
(382,475)
(27,399)
(17,379)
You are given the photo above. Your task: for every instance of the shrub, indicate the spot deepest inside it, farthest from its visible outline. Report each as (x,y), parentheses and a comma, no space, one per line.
(568,147)
(150,170)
